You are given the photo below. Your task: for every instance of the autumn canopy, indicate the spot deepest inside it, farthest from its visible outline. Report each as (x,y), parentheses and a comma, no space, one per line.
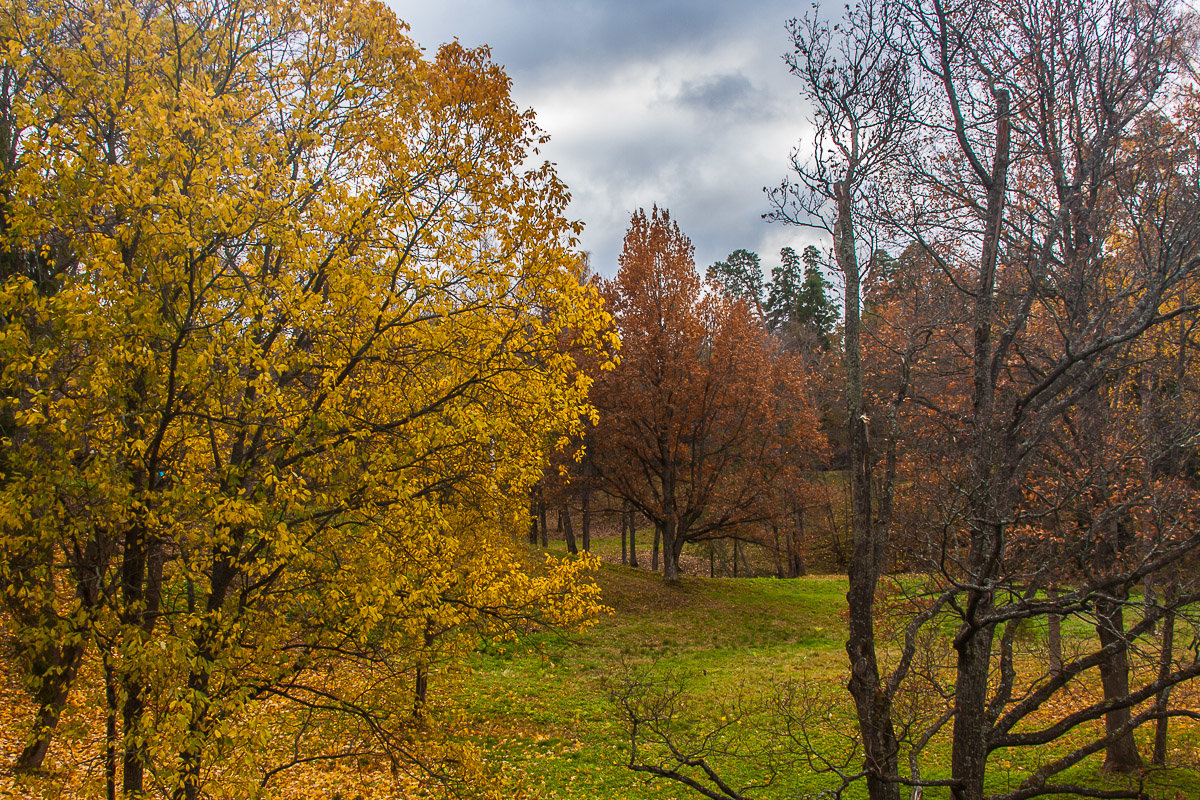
(280,321)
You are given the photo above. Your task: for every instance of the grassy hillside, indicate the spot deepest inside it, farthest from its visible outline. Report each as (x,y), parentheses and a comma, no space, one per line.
(542,705)
(543,701)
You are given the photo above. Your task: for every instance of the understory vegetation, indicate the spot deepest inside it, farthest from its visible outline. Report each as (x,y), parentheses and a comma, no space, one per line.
(540,712)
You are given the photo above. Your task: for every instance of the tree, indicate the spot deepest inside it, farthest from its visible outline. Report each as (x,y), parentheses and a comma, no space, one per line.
(784,290)
(859,86)
(1048,321)
(281,348)
(1015,252)
(740,277)
(798,300)
(689,421)
(1051,243)
(814,309)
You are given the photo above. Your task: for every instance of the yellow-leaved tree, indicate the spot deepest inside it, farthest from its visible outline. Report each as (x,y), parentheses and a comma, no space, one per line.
(280,322)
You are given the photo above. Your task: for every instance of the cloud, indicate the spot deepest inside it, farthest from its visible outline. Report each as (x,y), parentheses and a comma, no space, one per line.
(728,94)
(683,103)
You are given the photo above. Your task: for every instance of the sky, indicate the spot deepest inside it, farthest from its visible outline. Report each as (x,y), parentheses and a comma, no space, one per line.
(683,104)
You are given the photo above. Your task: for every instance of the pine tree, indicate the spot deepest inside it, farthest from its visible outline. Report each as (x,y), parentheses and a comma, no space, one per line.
(739,277)
(813,307)
(783,290)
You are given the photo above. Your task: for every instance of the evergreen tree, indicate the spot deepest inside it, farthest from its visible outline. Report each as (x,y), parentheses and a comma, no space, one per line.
(740,277)
(813,306)
(783,290)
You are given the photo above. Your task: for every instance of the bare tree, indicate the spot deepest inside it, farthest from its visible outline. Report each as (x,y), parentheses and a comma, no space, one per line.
(1022,180)
(1024,149)
(858,85)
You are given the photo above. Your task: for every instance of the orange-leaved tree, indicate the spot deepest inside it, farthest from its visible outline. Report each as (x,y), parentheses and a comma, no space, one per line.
(705,413)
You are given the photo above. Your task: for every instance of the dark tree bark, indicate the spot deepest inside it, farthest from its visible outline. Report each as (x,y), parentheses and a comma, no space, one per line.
(624,538)
(672,546)
(654,548)
(1161,702)
(111,731)
(872,704)
(1121,754)
(778,553)
(1054,636)
(564,518)
(141,578)
(533,520)
(54,669)
(585,512)
(542,521)
(632,537)
(797,566)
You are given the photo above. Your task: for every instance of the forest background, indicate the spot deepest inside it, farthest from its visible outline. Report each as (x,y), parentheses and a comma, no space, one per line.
(298,351)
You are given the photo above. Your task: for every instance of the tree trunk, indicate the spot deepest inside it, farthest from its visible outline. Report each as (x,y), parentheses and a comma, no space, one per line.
(1054,636)
(973,646)
(206,643)
(188,786)
(133,758)
(542,520)
(110,730)
(54,663)
(654,549)
(871,701)
(1165,657)
(421,686)
(671,548)
(54,668)
(533,521)
(969,753)
(564,519)
(1121,754)
(796,565)
(777,551)
(624,538)
(133,576)
(585,513)
(632,538)
(973,643)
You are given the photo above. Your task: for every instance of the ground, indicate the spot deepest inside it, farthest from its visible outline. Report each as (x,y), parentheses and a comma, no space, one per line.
(540,708)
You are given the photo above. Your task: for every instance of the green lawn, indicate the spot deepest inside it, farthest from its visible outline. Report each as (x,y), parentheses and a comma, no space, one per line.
(722,636)
(541,705)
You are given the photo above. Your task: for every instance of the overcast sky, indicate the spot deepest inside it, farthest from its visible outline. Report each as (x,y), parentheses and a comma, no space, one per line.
(686,104)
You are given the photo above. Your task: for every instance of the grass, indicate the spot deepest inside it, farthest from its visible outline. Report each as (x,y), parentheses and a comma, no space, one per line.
(549,691)
(541,705)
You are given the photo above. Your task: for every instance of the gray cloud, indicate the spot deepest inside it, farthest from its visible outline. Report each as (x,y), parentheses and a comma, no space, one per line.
(731,93)
(683,103)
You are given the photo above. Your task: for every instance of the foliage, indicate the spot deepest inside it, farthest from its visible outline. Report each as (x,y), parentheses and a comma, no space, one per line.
(814,308)
(281,316)
(783,290)
(706,417)
(701,422)
(739,277)
(1001,350)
